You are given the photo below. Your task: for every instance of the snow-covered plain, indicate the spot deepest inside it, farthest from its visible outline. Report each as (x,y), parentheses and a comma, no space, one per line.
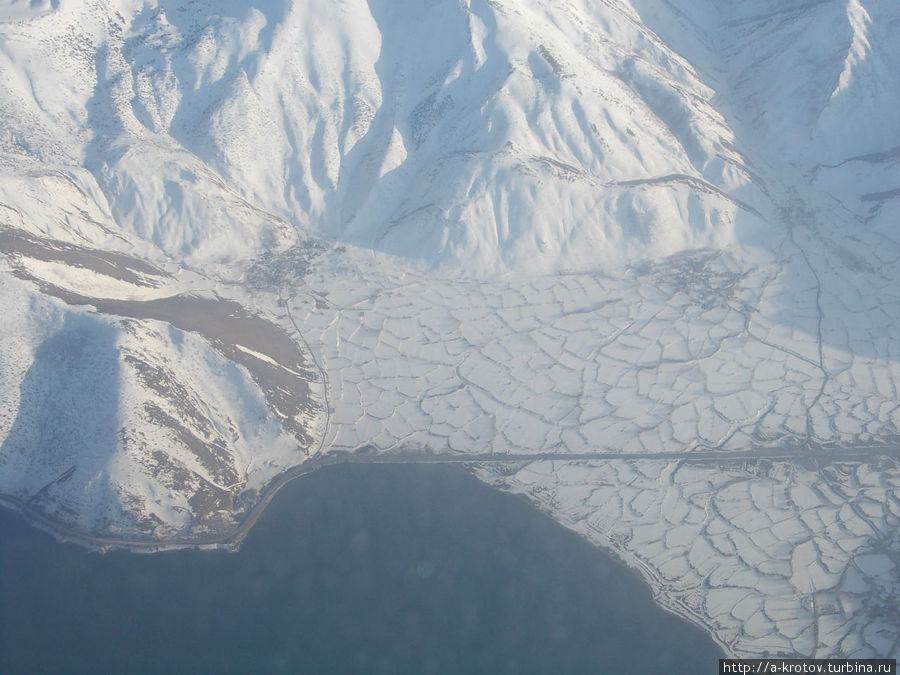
(242,238)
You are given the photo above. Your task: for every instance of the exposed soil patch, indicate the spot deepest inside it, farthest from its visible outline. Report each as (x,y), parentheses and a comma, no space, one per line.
(119,266)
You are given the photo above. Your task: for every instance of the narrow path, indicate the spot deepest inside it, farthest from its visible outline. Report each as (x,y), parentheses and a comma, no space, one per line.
(286,302)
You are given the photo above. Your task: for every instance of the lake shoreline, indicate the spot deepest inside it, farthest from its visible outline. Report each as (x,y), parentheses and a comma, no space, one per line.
(232,541)
(422,526)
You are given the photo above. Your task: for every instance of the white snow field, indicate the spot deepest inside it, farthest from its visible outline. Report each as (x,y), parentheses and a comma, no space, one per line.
(635,260)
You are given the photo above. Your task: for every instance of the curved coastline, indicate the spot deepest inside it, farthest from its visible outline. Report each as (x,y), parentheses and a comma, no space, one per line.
(231,541)
(438,541)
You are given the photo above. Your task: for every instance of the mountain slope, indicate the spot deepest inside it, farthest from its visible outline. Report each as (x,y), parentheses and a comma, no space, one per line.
(481,136)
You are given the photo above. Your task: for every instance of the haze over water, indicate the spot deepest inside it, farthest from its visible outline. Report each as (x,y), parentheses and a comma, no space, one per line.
(370,569)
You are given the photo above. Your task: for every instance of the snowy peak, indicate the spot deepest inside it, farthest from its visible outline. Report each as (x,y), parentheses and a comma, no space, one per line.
(812,80)
(860,48)
(475,136)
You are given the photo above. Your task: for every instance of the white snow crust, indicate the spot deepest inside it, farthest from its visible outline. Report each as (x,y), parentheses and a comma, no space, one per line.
(642,254)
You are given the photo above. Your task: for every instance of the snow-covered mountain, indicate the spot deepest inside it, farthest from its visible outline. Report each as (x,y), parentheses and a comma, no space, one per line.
(239,238)
(481,136)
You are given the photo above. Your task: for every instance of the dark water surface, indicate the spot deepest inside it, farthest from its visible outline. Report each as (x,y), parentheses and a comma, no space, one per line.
(369,569)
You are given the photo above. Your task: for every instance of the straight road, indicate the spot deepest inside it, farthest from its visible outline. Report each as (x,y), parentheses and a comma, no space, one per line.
(233,539)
